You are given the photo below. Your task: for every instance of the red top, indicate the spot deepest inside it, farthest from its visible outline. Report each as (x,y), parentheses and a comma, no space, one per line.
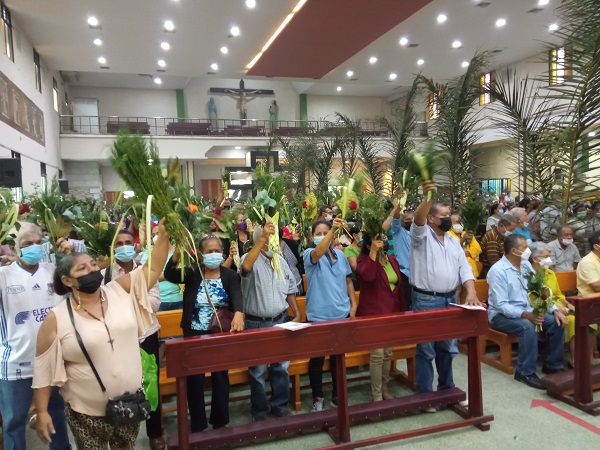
(376,296)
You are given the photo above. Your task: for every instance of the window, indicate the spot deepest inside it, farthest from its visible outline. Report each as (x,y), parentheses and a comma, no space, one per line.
(55,94)
(559,67)
(486,81)
(7,32)
(495,186)
(434,106)
(37,70)
(43,179)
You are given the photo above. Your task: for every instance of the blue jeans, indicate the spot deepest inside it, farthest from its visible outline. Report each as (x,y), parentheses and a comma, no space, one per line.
(170,306)
(278,377)
(528,341)
(442,351)
(15,399)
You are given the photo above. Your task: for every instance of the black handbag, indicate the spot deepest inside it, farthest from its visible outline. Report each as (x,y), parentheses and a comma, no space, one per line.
(125,409)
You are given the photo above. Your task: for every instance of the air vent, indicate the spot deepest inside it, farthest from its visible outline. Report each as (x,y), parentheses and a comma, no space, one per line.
(353,79)
(413,45)
(97,27)
(105,67)
(483,4)
(211,73)
(535,10)
(161,70)
(497,51)
(145,75)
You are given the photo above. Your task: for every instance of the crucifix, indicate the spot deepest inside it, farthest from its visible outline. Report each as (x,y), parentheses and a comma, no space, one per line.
(242,96)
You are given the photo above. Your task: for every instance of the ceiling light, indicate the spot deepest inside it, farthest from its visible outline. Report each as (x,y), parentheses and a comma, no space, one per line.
(169,26)
(339,89)
(92,21)
(298,6)
(393,76)
(98,41)
(465,64)
(349,73)
(373,59)
(543,2)
(235,31)
(403,41)
(214,66)
(165,45)
(592,134)
(500,22)
(420,62)
(162,63)
(102,60)
(158,80)
(224,50)
(441,18)
(237,147)
(553,27)
(456,44)
(250,3)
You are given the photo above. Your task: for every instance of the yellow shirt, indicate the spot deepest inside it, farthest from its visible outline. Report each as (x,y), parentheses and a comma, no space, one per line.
(474,250)
(551,281)
(588,271)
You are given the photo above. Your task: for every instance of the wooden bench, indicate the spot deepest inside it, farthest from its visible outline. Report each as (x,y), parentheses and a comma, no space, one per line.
(291,131)
(242,130)
(114,126)
(188,129)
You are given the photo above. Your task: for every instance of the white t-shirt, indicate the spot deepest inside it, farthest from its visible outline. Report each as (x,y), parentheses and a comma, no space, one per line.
(25,299)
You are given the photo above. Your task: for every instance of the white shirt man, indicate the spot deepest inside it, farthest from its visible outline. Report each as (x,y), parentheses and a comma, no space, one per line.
(563,252)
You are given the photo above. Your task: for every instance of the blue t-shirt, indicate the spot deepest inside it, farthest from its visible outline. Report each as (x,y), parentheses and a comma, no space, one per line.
(169,292)
(203,311)
(327,296)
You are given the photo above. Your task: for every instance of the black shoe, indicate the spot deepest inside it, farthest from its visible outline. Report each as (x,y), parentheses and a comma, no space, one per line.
(259,417)
(281,412)
(530,380)
(333,402)
(549,371)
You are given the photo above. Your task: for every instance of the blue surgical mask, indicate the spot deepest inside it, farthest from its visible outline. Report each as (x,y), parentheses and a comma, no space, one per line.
(318,239)
(125,253)
(500,211)
(32,255)
(360,241)
(269,253)
(212,260)
(45,239)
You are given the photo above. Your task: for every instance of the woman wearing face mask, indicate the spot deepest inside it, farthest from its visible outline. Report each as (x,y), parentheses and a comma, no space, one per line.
(467,240)
(109,320)
(496,211)
(330,296)
(352,252)
(224,288)
(540,258)
(236,248)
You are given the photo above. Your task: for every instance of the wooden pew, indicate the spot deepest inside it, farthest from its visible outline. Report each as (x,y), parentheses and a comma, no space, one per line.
(188,128)
(114,126)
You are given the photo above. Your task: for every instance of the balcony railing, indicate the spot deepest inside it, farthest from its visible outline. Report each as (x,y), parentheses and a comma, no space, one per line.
(158,126)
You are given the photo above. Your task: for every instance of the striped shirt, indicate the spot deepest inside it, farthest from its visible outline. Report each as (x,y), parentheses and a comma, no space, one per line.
(492,248)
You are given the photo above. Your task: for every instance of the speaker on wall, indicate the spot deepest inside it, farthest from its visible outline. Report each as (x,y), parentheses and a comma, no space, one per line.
(64,186)
(10,173)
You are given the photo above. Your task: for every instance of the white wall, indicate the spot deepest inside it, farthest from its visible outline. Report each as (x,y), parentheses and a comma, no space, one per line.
(84,178)
(130,102)
(21,73)
(325,106)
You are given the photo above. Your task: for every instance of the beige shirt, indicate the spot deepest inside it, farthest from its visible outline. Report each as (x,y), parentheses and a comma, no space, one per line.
(588,271)
(128,315)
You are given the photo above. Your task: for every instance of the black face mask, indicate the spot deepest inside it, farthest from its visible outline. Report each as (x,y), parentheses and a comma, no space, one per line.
(406,225)
(90,283)
(445,224)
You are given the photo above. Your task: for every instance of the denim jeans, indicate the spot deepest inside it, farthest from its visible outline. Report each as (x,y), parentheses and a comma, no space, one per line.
(278,377)
(15,399)
(170,306)
(442,351)
(528,341)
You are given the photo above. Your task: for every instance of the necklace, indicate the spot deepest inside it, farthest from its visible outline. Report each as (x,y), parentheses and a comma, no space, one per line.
(103,321)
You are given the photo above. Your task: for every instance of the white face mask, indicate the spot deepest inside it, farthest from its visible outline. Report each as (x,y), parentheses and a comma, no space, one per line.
(329,217)
(526,254)
(154,239)
(546,263)
(567,241)
(457,228)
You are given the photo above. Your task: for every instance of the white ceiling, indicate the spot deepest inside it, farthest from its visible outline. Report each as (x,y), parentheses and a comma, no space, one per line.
(132,31)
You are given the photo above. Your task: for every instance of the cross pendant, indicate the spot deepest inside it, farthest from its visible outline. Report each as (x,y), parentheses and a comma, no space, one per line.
(110,341)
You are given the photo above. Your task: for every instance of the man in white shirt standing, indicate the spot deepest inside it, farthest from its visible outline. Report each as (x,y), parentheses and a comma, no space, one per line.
(563,252)
(26,296)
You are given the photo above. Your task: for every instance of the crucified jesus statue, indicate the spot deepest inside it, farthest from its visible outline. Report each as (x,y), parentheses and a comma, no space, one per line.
(241,95)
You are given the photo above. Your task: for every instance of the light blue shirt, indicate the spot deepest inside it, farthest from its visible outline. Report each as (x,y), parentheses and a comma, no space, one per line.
(436,266)
(327,295)
(508,290)
(524,233)
(401,245)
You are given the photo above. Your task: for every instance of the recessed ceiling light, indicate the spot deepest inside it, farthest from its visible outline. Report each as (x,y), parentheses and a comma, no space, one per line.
(543,2)
(442,18)
(92,21)
(553,27)
(339,88)
(169,26)
(500,22)
(102,60)
(403,41)
(456,44)
(465,64)
(250,3)
(349,73)
(393,76)
(162,63)
(592,134)
(224,50)
(373,59)
(165,45)
(158,80)
(97,41)
(214,66)
(420,62)
(235,31)
(237,147)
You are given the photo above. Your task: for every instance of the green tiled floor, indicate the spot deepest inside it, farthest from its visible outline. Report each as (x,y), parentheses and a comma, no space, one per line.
(516,425)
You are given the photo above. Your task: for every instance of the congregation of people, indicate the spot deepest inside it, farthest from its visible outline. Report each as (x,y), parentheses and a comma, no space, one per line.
(53,302)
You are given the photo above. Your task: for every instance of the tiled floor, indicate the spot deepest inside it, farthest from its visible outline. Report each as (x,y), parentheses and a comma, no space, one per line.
(516,424)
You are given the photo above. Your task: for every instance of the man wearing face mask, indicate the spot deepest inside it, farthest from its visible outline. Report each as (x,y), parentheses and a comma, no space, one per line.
(26,297)
(492,243)
(563,252)
(437,266)
(509,311)
(401,224)
(325,213)
(125,255)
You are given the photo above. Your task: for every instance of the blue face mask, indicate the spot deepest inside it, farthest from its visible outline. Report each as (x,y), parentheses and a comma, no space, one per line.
(45,239)
(32,255)
(360,241)
(318,239)
(125,253)
(212,260)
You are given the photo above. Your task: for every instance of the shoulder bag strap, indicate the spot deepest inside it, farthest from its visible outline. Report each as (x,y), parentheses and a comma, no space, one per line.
(85,353)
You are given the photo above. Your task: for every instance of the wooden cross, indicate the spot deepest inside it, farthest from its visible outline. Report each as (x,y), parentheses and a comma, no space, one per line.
(242,94)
